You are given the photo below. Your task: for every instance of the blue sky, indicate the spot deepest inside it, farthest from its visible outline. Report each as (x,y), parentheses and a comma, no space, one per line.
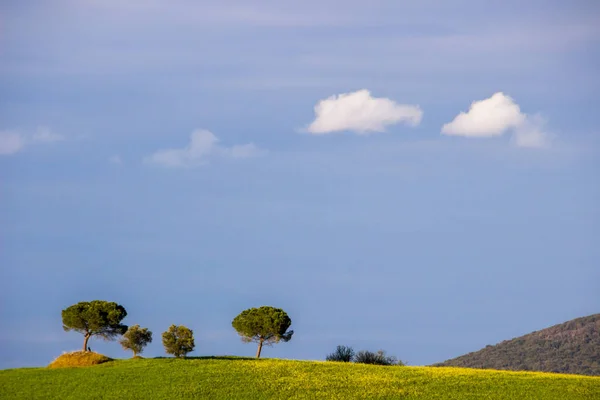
(191,159)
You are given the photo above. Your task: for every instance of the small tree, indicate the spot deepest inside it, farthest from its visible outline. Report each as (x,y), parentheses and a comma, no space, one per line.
(341,353)
(178,340)
(264,325)
(95,318)
(135,339)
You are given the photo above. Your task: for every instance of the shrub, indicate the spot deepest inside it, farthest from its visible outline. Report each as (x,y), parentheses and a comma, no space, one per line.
(341,353)
(78,359)
(135,339)
(178,340)
(379,358)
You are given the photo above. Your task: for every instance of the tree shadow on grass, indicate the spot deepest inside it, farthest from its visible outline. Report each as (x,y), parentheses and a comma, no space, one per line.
(227,358)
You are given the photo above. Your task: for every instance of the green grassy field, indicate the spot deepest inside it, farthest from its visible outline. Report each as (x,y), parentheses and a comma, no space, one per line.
(231,378)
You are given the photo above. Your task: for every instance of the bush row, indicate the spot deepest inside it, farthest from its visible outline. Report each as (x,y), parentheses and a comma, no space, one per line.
(347,354)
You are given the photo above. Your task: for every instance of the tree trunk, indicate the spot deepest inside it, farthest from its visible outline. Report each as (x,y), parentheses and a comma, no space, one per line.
(259,349)
(85,341)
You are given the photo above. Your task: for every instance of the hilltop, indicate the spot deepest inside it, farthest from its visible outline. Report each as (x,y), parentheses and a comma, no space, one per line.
(237,378)
(571,347)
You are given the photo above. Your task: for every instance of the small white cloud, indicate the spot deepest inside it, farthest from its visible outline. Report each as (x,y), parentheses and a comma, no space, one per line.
(10,143)
(202,147)
(531,133)
(13,142)
(45,135)
(361,113)
(115,160)
(244,151)
(489,117)
(495,116)
(202,143)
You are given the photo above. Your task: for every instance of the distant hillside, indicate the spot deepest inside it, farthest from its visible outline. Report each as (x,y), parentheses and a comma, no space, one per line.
(572,347)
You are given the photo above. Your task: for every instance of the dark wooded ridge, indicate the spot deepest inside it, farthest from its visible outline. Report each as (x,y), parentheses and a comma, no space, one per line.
(572,347)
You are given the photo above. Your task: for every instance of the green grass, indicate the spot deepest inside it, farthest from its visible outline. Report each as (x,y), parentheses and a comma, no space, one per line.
(234,378)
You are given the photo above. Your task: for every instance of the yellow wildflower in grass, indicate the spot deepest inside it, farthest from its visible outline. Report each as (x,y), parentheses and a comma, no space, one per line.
(234,378)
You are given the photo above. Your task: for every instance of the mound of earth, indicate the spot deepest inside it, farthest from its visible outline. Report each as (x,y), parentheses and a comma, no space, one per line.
(79,359)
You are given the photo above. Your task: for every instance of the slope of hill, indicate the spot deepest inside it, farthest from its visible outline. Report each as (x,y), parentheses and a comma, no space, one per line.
(231,378)
(571,347)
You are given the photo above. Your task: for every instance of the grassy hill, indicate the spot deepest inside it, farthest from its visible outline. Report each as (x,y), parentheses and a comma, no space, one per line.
(234,378)
(571,347)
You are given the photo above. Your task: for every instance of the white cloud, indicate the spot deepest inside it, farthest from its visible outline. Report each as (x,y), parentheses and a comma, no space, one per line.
(45,135)
(360,112)
(202,143)
(495,116)
(202,147)
(531,133)
(10,143)
(489,117)
(243,151)
(13,142)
